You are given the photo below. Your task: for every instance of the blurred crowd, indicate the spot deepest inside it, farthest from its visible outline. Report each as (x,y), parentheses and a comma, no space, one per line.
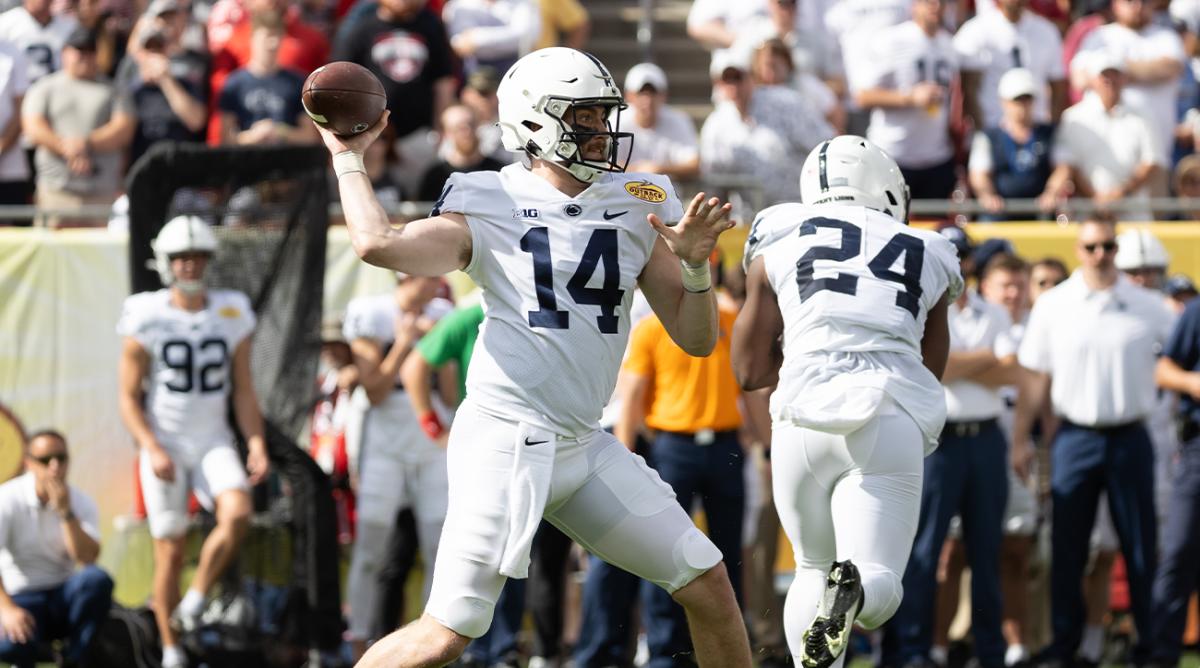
(1011,100)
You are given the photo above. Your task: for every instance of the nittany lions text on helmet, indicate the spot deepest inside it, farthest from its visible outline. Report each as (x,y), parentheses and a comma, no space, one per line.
(851,170)
(182,234)
(536,97)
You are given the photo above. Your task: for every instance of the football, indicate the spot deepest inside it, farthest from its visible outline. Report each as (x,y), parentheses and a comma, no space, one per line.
(343,97)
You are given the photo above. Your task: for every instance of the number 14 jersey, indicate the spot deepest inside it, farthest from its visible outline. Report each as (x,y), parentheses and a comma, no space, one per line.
(854,288)
(557,275)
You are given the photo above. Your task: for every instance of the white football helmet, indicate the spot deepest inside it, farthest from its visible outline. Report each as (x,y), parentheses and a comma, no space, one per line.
(1139,249)
(535,97)
(182,234)
(851,170)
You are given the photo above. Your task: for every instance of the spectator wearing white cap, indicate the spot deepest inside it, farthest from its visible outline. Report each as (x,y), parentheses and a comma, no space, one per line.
(1152,58)
(1014,159)
(992,43)
(1110,146)
(908,92)
(664,138)
(757,134)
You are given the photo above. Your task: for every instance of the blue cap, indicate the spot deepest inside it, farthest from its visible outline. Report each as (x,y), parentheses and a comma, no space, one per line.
(1178,284)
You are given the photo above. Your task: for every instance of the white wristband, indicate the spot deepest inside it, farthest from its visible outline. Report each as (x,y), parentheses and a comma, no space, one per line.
(347,162)
(696,278)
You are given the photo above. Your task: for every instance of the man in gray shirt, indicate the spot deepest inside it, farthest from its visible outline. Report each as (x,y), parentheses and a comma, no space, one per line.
(81,125)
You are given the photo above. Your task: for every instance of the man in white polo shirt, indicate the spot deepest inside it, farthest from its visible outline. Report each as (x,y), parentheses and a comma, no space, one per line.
(664,138)
(1110,145)
(908,93)
(1097,337)
(964,476)
(993,43)
(1153,58)
(47,529)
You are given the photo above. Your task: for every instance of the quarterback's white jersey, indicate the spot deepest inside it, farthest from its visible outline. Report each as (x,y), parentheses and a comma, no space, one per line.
(557,276)
(191,357)
(854,288)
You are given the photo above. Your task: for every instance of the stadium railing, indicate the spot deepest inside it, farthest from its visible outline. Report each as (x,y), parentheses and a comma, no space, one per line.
(959,209)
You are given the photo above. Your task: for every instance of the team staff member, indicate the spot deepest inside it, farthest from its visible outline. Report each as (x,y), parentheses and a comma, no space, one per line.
(1179,370)
(965,475)
(1099,334)
(692,404)
(47,528)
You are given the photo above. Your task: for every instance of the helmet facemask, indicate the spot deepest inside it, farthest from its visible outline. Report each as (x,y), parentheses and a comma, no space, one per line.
(572,139)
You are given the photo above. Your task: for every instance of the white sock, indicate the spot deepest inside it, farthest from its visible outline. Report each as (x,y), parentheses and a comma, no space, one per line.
(938,654)
(1015,654)
(192,604)
(1092,646)
(173,656)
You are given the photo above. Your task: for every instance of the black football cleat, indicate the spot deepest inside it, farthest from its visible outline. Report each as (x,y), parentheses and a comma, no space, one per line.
(829,635)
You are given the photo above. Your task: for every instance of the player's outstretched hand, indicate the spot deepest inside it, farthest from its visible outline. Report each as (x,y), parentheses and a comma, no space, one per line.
(357,143)
(695,237)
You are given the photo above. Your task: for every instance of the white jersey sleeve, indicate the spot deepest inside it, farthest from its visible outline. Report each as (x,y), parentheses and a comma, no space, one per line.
(557,275)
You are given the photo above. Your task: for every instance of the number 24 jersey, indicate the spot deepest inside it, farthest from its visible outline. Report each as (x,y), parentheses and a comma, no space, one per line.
(557,275)
(191,354)
(854,288)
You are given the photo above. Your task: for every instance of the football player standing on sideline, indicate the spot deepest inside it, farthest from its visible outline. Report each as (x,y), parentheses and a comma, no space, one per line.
(526,442)
(858,402)
(186,349)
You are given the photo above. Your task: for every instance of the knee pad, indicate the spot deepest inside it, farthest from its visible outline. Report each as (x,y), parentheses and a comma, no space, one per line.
(882,593)
(465,615)
(694,554)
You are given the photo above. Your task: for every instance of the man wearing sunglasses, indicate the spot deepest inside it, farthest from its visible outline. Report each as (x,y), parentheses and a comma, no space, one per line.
(1097,336)
(47,529)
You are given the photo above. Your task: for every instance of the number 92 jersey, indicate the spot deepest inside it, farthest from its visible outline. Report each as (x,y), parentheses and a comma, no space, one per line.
(557,275)
(854,288)
(189,380)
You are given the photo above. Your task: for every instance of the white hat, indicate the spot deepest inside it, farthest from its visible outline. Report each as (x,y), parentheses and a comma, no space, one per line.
(1016,83)
(731,58)
(645,74)
(1103,60)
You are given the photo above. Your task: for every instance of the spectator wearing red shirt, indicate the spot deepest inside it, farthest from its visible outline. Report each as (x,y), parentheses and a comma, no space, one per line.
(303,48)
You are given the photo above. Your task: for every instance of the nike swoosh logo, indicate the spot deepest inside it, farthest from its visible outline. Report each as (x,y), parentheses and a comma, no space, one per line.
(610,216)
(529,442)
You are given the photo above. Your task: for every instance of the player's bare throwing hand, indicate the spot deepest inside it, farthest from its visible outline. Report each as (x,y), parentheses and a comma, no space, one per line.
(557,242)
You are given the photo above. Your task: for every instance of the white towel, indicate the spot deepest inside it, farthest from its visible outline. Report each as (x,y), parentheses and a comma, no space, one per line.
(528,490)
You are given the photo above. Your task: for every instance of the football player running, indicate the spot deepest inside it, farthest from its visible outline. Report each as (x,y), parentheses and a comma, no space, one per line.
(859,300)
(557,242)
(186,349)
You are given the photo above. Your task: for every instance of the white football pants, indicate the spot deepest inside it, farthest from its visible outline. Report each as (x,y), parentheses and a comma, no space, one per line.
(855,496)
